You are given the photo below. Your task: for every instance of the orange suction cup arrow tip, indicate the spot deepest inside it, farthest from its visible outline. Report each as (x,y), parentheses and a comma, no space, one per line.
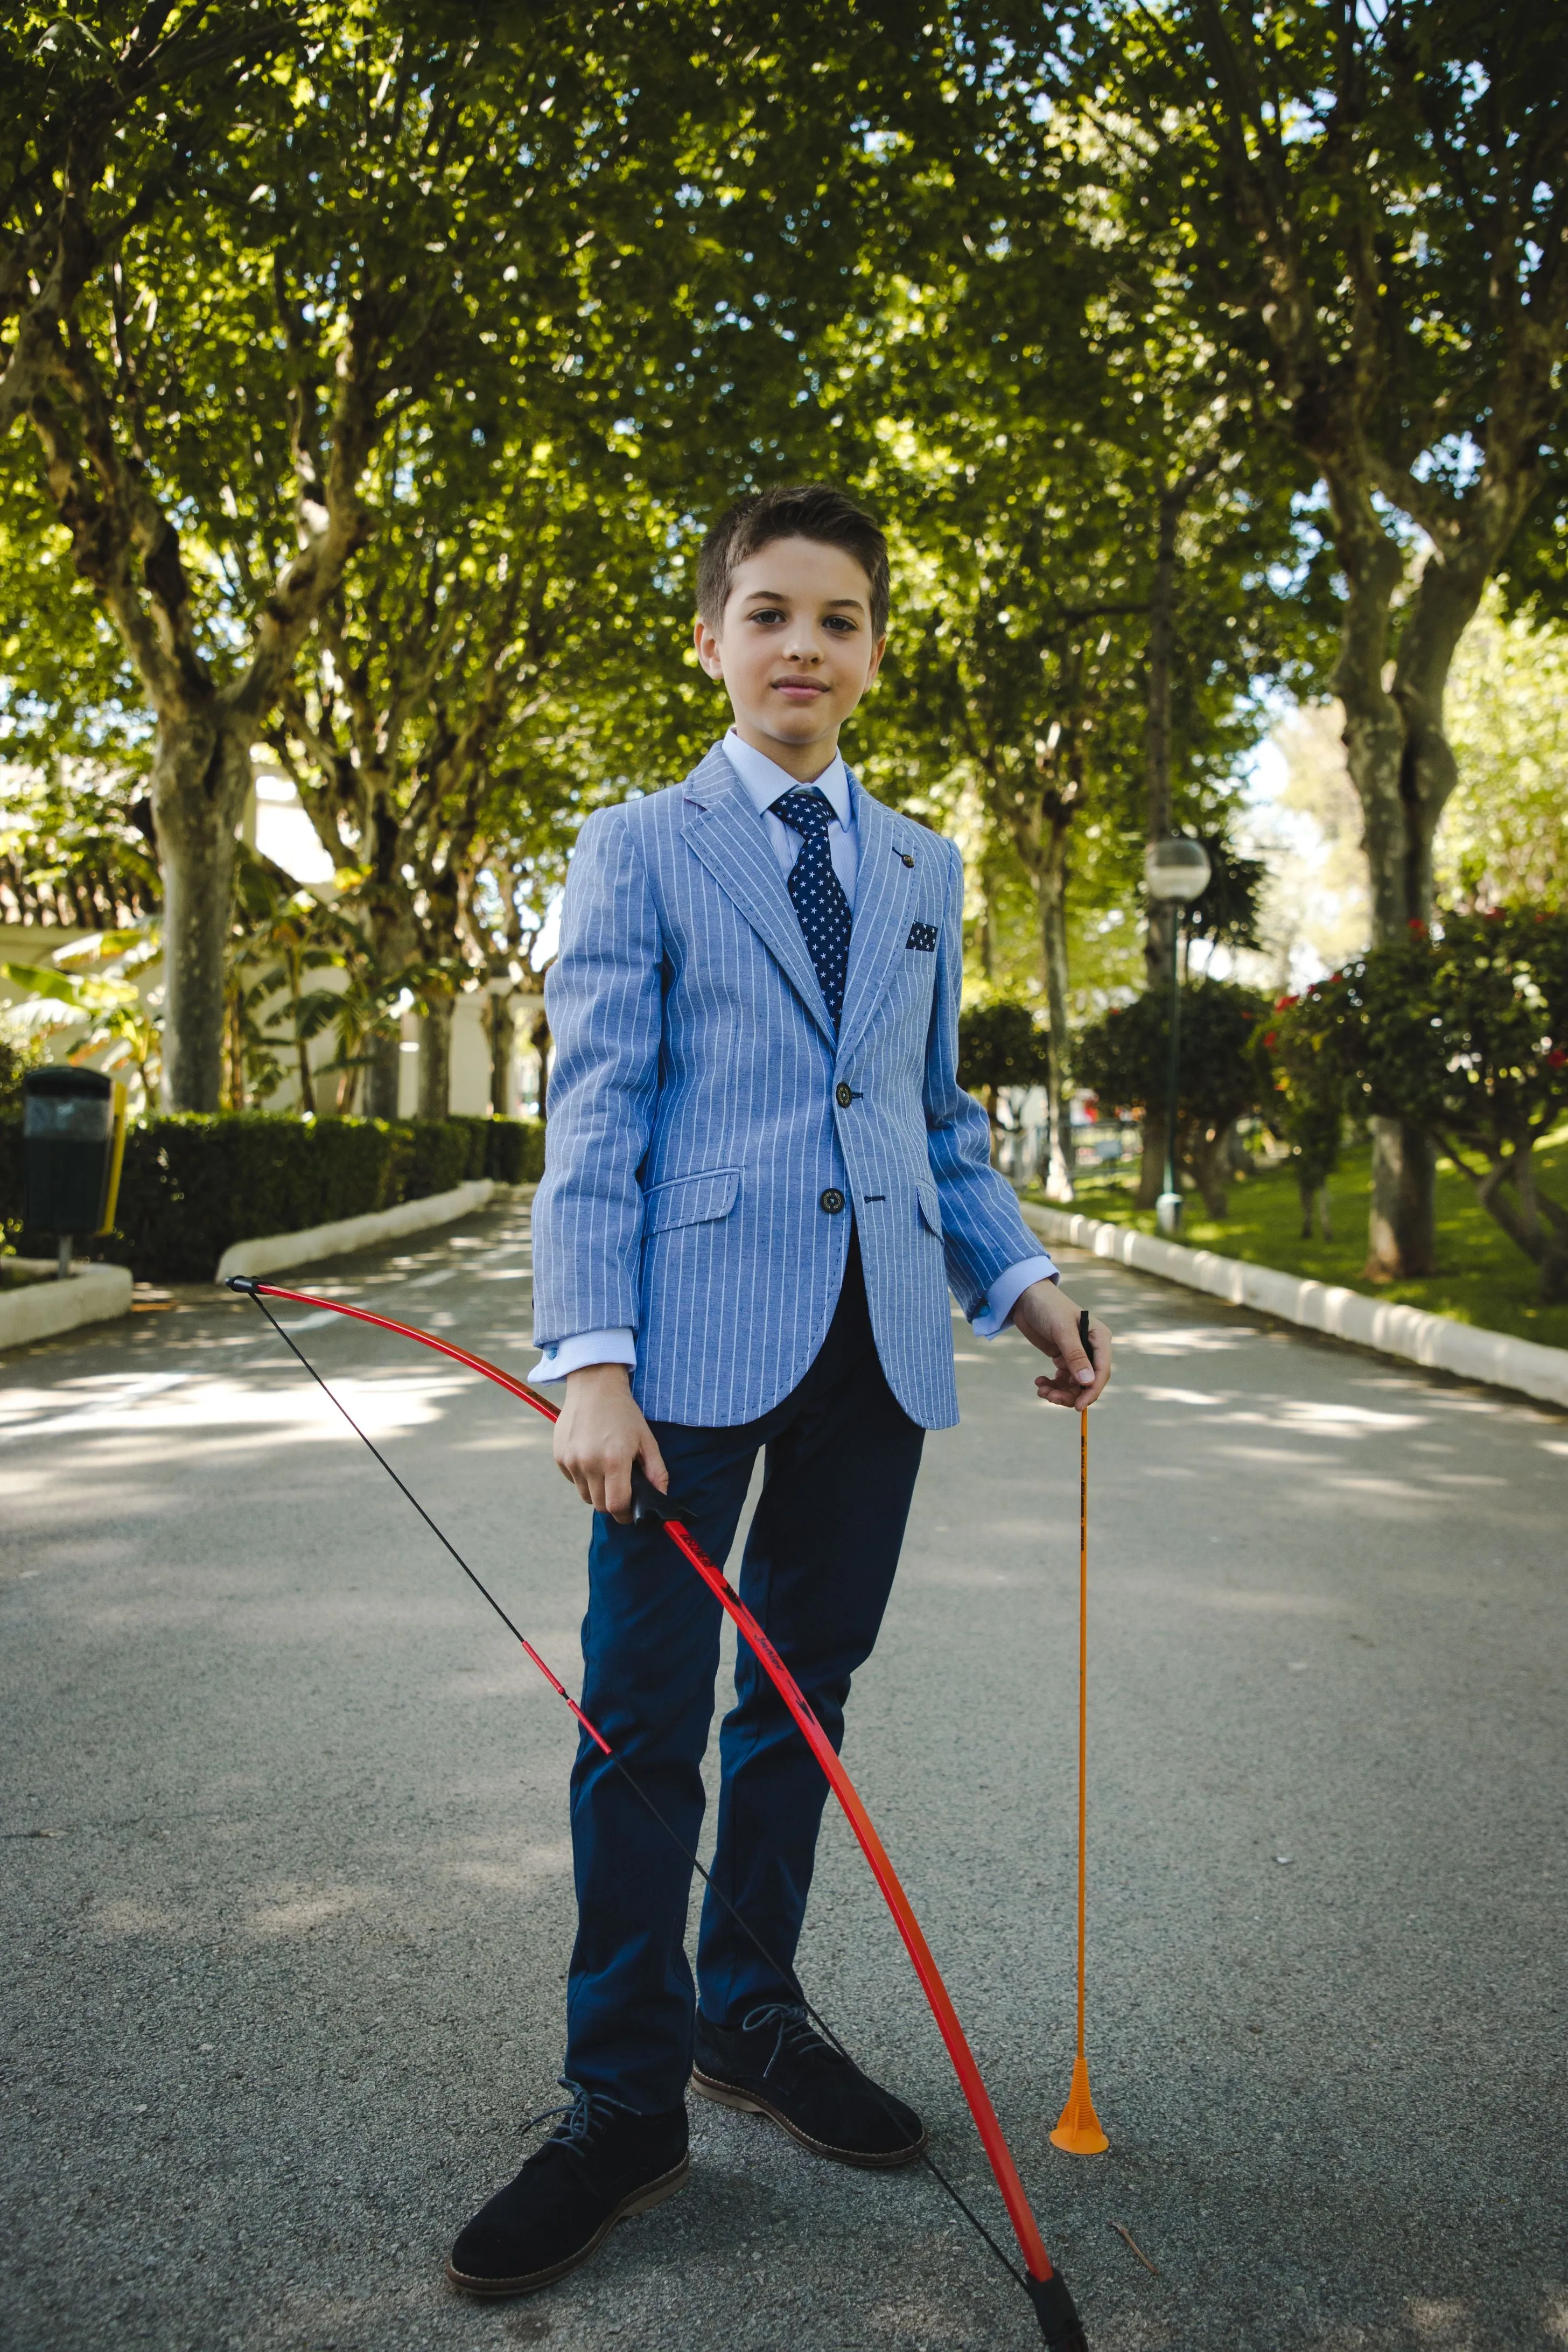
(1078,2131)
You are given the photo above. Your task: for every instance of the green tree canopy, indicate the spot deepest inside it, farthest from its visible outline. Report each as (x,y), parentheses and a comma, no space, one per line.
(1373,203)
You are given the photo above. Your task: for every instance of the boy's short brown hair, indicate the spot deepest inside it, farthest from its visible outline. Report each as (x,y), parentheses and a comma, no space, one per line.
(799,511)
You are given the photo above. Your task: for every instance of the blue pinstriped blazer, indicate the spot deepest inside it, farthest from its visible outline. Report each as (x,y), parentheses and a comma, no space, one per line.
(697,1111)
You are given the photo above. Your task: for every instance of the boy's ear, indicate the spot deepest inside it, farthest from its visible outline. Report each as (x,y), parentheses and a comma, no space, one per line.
(709,654)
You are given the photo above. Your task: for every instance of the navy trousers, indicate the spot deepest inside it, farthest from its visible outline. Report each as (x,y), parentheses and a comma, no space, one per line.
(841,1460)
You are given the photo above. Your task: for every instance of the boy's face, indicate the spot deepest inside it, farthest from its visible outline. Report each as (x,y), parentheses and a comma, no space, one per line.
(795,650)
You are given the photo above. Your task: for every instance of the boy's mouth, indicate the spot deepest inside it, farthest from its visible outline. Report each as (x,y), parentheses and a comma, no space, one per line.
(799,690)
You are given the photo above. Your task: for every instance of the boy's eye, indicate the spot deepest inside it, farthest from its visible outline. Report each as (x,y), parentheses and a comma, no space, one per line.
(841,624)
(770,614)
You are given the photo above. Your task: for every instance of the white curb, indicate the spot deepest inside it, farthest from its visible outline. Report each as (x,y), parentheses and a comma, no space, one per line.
(1434,1340)
(274,1252)
(37,1310)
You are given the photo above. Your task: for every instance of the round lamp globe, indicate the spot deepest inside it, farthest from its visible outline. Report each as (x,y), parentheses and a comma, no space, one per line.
(1177,868)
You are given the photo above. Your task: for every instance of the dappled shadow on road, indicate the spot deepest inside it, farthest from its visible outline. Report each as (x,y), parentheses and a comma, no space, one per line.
(288,1878)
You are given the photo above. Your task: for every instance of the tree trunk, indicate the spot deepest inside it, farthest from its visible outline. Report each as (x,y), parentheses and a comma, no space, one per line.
(504,1043)
(436,1058)
(1152,1166)
(1159,800)
(1545,1224)
(233,1096)
(1535,1224)
(393,939)
(1158,813)
(1402,766)
(538,1038)
(1313,1192)
(306,1082)
(384,1078)
(1402,1231)
(201,775)
(1051,885)
(1208,1159)
(1553,1287)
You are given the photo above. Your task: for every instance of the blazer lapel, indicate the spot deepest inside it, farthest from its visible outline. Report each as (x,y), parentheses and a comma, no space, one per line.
(723,830)
(884,894)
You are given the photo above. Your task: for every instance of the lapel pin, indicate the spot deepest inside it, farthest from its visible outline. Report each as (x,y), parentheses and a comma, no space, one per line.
(909,861)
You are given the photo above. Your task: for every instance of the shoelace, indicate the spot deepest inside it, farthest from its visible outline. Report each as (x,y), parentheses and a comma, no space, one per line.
(795,2033)
(585,2114)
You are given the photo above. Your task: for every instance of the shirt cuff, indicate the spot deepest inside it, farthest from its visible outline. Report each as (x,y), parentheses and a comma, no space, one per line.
(587,1347)
(1006,1291)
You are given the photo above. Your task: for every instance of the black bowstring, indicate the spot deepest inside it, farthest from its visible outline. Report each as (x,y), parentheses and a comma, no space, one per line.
(637,1790)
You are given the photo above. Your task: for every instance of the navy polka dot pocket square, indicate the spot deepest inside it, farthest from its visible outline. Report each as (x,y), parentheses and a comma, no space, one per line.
(922,935)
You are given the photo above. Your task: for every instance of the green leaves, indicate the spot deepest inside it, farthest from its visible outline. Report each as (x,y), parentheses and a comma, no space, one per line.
(1462,1030)
(1124,1057)
(1000,1044)
(103,1013)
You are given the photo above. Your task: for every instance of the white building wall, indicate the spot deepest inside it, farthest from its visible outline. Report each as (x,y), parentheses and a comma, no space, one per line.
(31,943)
(471,1056)
(470,1095)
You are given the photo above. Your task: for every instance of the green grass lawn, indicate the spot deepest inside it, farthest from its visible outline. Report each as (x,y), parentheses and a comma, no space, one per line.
(1484,1278)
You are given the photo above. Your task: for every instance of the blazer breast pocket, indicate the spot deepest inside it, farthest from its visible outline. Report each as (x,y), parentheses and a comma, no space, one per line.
(923,937)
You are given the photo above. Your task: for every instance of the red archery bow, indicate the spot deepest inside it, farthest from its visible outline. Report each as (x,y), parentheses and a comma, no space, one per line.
(1047,2290)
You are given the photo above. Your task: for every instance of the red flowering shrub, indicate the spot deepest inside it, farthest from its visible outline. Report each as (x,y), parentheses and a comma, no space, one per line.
(1463,1031)
(1302,1090)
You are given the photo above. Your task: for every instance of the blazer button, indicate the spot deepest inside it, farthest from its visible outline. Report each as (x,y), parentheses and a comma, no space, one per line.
(832,1199)
(844,1094)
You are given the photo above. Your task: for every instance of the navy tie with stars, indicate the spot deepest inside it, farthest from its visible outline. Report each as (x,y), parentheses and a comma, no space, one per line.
(818,893)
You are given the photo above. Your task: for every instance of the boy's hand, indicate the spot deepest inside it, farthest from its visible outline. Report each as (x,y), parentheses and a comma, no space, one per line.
(1047,1319)
(600,1435)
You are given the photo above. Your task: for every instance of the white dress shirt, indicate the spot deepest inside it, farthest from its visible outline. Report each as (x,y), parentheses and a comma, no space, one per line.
(763,781)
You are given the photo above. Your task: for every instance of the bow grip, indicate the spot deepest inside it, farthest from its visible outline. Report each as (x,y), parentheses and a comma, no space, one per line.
(1056,2313)
(650,1503)
(1083,1337)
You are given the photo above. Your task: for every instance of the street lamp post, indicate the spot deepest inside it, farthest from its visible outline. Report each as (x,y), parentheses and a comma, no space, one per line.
(1175,872)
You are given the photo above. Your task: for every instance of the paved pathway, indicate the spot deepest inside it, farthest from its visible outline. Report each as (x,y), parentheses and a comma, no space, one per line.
(287,1898)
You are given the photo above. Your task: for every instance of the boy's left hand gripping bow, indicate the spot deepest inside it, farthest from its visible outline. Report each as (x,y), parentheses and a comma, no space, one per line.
(1046,2287)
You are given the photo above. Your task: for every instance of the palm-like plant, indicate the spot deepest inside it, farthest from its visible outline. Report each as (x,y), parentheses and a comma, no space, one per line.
(120,1028)
(304,936)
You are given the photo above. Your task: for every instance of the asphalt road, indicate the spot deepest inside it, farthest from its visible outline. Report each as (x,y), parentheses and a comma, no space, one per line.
(287,1895)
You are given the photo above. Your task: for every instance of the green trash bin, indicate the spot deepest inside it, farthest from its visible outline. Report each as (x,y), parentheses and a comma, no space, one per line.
(73,1140)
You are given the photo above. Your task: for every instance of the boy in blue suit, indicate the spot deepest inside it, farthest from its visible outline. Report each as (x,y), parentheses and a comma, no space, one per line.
(763,1179)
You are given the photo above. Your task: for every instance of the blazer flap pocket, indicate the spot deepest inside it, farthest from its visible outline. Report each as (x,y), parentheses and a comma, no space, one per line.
(931,1208)
(691,1199)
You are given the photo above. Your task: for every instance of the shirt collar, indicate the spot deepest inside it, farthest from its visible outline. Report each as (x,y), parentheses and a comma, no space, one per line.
(762,780)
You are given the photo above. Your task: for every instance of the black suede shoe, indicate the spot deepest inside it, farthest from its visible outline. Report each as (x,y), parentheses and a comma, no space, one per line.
(774,2063)
(600,2163)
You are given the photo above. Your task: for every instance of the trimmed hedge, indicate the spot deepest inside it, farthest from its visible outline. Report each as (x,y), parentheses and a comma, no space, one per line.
(508,1150)
(191,1185)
